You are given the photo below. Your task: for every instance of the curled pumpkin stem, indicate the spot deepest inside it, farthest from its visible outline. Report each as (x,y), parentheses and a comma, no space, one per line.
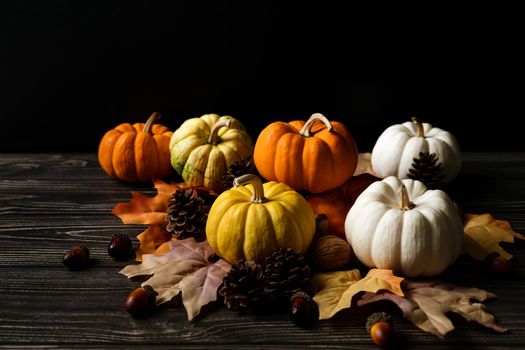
(419,126)
(151,120)
(214,133)
(258,189)
(404,202)
(305,130)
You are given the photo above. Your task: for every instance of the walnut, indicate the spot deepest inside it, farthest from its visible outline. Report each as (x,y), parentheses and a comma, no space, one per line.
(330,252)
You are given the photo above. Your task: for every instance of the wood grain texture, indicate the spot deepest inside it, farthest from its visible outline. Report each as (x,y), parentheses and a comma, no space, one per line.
(50,202)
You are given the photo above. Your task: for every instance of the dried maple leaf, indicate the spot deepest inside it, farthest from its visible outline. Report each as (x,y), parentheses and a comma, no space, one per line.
(338,288)
(189,268)
(151,211)
(142,209)
(151,240)
(426,303)
(483,234)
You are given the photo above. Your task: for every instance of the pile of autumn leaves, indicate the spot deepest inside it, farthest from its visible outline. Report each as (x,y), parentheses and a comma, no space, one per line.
(187,267)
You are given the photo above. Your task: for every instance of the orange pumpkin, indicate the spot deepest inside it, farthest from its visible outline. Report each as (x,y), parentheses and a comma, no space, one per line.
(138,152)
(316,155)
(336,203)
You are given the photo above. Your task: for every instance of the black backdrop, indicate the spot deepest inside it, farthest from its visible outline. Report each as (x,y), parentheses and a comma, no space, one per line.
(70,70)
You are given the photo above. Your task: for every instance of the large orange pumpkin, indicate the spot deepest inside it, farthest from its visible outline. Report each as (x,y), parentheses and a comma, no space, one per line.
(316,155)
(336,203)
(138,152)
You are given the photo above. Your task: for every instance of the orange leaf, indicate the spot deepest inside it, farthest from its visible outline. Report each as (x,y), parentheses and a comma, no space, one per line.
(338,288)
(142,209)
(151,240)
(483,234)
(151,211)
(165,247)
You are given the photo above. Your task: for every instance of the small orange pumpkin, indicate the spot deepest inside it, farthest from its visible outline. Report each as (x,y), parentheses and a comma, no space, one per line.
(138,152)
(336,203)
(316,155)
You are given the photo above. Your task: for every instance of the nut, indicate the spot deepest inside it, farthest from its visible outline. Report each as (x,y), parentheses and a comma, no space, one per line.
(120,247)
(141,301)
(379,326)
(497,264)
(76,258)
(303,310)
(330,252)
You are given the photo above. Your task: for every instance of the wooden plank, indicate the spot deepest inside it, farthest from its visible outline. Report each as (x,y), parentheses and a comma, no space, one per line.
(59,306)
(50,202)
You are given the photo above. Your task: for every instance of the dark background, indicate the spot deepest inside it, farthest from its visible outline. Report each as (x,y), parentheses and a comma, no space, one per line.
(70,70)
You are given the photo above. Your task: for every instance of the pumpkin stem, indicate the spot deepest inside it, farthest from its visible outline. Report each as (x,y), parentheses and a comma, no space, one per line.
(404,202)
(214,133)
(151,120)
(305,131)
(420,130)
(258,189)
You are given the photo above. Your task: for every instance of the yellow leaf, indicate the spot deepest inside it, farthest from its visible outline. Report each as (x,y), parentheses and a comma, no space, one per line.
(338,288)
(483,234)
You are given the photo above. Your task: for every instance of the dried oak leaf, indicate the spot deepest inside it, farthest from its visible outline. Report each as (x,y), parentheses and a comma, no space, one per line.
(151,211)
(338,288)
(483,234)
(189,268)
(426,303)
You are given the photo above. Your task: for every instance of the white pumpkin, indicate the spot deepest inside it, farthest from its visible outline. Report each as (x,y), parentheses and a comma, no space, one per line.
(400,225)
(396,148)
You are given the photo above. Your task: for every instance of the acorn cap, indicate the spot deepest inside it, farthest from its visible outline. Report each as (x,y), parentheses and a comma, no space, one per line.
(120,235)
(152,295)
(301,294)
(377,317)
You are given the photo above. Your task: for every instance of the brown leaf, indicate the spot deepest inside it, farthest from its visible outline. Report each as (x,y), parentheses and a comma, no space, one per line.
(426,303)
(364,165)
(187,268)
(483,234)
(338,288)
(151,211)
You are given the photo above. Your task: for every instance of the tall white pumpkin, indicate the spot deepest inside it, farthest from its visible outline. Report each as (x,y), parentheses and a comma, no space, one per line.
(396,148)
(400,225)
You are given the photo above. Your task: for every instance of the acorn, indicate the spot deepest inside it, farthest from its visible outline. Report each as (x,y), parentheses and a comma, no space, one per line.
(303,310)
(120,247)
(76,258)
(497,264)
(379,326)
(141,301)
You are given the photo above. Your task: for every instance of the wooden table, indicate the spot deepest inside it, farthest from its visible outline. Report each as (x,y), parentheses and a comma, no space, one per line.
(50,202)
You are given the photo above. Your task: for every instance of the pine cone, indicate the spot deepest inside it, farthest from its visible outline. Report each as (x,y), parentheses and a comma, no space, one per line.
(188,211)
(286,272)
(238,168)
(242,287)
(427,170)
